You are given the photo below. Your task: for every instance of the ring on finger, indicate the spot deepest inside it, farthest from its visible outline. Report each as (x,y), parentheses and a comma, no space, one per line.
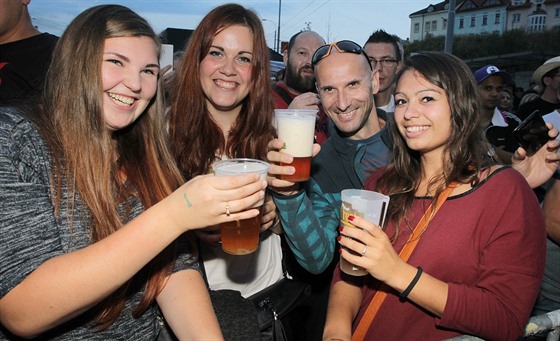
(364,250)
(227,209)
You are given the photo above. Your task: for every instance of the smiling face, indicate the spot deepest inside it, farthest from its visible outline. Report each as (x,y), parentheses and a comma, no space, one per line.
(225,72)
(129,73)
(346,86)
(422,114)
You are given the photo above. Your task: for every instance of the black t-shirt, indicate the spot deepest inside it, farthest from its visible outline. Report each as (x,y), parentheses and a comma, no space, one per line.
(540,104)
(23,66)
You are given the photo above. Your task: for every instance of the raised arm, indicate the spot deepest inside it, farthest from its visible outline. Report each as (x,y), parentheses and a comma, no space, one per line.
(309,218)
(540,167)
(64,285)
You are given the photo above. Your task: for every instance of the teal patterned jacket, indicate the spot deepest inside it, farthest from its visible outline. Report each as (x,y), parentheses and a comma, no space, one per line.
(310,218)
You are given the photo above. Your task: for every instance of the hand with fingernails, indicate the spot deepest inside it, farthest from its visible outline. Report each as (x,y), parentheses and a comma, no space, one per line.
(373,251)
(214,200)
(539,168)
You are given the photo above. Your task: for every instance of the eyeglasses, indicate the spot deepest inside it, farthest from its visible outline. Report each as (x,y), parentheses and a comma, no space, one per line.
(383,62)
(342,47)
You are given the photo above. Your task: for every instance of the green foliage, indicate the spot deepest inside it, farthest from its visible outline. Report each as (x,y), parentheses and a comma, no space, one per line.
(484,45)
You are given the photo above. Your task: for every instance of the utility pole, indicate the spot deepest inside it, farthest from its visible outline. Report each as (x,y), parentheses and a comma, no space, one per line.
(274,42)
(450,28)
(279,18)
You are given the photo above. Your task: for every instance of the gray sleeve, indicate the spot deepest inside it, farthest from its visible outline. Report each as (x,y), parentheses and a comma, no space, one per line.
(28,233)
(187,256)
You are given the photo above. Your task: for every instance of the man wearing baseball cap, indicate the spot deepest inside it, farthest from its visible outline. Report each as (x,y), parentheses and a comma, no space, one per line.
(547,75)
(498,125)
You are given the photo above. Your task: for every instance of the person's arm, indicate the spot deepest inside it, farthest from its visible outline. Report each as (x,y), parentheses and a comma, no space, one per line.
(310,221)
(187,308)
(270,218)
(551,211)
(498,303)
(66,285)
(344,303)
(538,169)
(383,263)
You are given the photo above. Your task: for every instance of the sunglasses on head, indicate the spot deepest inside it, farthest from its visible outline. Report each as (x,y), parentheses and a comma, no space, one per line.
(343,46)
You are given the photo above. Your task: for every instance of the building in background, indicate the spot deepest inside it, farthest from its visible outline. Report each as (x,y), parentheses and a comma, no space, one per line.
(533,15)
(485,17)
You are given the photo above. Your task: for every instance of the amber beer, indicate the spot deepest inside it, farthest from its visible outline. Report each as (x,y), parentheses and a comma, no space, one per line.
(361,203)
(241,237)
(303,169)
(347,210)
(296,127)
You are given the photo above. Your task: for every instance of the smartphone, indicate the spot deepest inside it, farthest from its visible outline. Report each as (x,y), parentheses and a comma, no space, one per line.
(532,133)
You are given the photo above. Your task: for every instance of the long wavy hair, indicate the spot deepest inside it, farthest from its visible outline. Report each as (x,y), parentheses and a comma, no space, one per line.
(196,139)
(463,150)
(91,161)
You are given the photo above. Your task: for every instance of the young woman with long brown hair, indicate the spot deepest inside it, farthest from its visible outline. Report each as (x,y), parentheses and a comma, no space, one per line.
(479,260)
(92,204)
(222,108)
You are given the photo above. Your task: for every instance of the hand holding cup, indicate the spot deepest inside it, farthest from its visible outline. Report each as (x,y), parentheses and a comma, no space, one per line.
(360,203)
(241,237)
(296,128)
(201,201)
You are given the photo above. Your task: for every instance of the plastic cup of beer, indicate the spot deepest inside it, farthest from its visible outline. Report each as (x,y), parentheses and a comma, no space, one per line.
(296,127)
(362,203)
(241,237)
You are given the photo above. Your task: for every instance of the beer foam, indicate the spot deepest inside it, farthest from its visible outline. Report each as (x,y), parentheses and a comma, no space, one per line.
(229,169)
(297,132)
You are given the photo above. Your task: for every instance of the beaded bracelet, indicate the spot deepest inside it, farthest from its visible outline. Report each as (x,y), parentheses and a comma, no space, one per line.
(408,289)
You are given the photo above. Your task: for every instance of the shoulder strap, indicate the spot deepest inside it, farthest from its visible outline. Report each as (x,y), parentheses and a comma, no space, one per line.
(405,253)
(283,93)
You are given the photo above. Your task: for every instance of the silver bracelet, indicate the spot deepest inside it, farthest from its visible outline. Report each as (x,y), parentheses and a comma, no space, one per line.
(276,223)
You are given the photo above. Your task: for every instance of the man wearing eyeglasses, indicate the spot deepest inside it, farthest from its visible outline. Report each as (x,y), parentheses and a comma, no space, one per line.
(297,90)
(385,53)
(310,211)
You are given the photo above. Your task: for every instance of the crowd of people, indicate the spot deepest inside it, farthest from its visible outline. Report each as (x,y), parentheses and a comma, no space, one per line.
(110,212)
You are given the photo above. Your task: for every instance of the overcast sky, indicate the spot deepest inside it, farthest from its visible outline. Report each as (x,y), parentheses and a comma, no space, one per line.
(333,19)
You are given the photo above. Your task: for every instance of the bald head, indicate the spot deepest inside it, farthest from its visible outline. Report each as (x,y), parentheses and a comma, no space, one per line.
(297,58)
(357,63)
(346,85)
(309,38)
